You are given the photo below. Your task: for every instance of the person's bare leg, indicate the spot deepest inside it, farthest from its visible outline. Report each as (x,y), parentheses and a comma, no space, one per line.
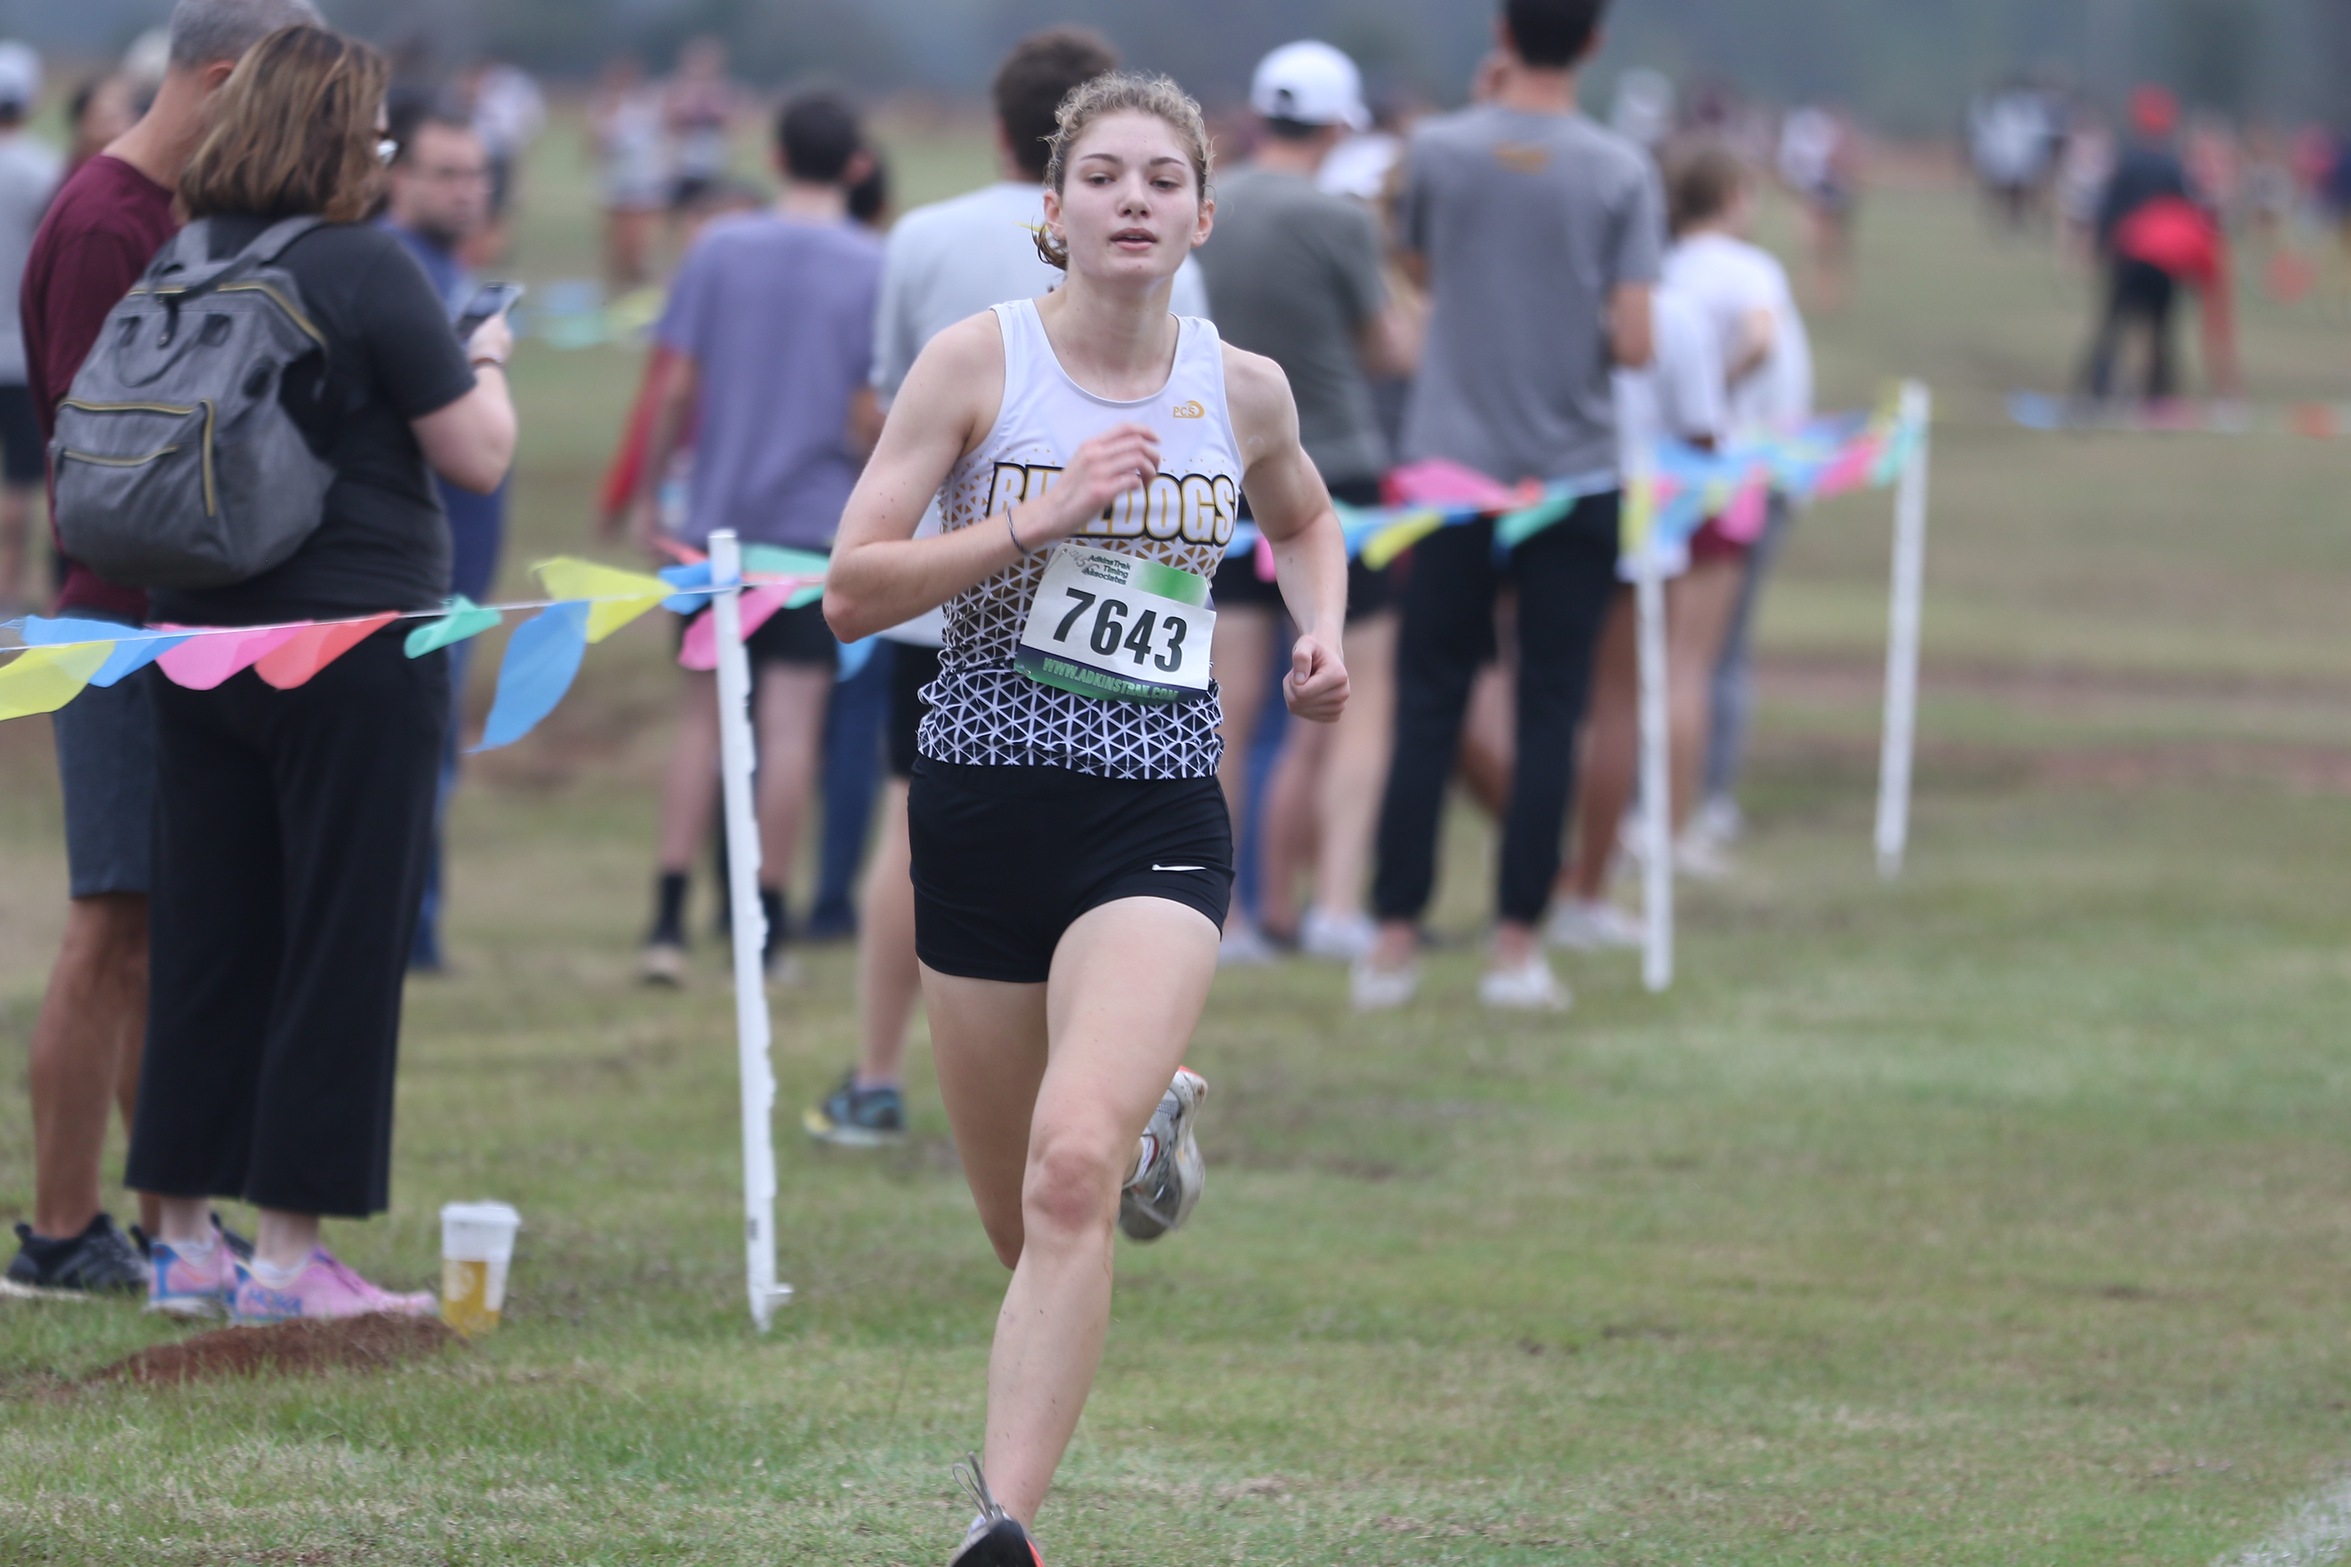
(791,706)
(1698,606)
(280,1239)
(1288,834)
(1128,984)
(93,1015)
(889,980)
(16,530)
(989,1040)
(689,788)
(1611,752)
(1487,741)
(1356,767)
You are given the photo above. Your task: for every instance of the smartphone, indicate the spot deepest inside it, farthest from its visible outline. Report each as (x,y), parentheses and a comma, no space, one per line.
(491,299)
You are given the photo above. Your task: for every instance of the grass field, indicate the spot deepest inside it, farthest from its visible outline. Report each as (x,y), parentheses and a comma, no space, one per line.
(2001,1215)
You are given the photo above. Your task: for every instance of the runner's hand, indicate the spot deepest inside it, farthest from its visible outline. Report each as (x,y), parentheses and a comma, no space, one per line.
(1316,686)
(1122,458)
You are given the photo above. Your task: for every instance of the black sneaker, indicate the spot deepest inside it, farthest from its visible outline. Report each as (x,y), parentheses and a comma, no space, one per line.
(100,1260)
(996,1538)
(854,1117)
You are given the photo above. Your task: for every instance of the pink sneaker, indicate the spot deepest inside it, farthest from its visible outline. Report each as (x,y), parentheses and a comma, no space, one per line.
(326,1287)
(179,1287)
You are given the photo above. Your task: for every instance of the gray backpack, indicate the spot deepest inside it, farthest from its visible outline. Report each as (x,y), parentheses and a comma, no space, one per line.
(176,464)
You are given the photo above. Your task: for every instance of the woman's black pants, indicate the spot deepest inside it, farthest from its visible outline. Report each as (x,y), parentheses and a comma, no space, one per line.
(291,830)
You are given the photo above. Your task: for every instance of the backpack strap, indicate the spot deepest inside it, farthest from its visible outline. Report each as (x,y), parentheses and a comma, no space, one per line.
(272,242)
(190,248)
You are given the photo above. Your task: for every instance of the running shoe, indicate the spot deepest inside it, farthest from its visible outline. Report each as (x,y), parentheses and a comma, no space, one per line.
(1719,820)
(100,1260)
(1376,989)
(1342,938)
(239,1246)
(854,1117)
(1528,987)
(1169,1172)
(200,1287)
(1592,925)
(1701,858)
(996,1538)
(325,1287)
(662,962)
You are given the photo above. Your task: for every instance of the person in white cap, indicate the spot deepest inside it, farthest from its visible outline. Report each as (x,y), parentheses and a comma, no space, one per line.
(28,177)
(1294,274)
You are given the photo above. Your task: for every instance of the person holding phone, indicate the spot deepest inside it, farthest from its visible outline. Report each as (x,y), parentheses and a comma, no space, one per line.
(440,201)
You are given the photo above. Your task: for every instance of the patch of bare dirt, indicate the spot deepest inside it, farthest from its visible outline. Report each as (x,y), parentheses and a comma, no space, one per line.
(283,1349)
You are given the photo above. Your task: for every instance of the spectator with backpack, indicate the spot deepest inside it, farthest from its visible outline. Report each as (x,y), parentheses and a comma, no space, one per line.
(291,826)
(102,228)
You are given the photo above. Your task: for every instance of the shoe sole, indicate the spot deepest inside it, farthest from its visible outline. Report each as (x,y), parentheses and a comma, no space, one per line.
(840,1136)
(188,1308)
(1180,1134)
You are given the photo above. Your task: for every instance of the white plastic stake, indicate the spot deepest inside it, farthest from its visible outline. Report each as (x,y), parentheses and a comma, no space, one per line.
(1656,764)
(750,932)
(1901,722)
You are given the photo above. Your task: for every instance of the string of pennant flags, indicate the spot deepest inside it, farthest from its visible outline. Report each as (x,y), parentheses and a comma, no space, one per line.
(586,602)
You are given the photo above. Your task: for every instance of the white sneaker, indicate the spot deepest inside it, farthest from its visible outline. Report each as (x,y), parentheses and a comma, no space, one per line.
(1170,1173)
(1340,937)
(1592,925)
(1244,947)
(1376,989)
(1702,858)
(1530,987)
(1719,820)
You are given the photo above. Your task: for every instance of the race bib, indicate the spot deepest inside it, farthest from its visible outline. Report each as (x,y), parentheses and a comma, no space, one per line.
(1113,626)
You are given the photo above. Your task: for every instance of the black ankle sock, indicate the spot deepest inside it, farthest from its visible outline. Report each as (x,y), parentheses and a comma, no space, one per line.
(669,907)
(771,904)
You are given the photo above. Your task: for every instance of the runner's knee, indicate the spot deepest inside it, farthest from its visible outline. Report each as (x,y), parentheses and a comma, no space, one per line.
(1072,1181)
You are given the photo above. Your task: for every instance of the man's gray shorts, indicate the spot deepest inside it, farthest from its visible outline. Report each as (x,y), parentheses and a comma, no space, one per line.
(106,759)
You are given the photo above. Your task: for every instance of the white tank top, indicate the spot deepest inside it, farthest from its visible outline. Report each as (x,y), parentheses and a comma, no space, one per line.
(983,711)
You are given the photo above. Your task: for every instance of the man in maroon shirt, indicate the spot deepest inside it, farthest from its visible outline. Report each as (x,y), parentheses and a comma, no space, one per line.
(101,230)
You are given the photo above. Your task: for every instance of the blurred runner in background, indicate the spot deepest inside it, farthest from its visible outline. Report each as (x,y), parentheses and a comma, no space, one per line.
(2138,292)
(632,168)
(699,107)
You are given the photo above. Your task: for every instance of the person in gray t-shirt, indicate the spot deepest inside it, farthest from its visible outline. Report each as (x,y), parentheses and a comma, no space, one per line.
(1538,234)
(1294,274)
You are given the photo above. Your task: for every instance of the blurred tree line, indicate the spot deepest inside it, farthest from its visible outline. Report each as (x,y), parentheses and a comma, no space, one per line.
(1904,65)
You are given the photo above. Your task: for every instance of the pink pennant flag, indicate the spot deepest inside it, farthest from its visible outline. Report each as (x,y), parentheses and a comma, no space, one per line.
(312,648)
(1742,520)
(210,657)
(1850,470)
(1434,481)
(701,646)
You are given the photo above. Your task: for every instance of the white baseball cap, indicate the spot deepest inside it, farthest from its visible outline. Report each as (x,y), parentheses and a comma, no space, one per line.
(1311,83)
(20,75)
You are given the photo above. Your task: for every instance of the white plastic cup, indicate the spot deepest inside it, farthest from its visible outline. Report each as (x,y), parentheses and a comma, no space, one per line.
(477,1247)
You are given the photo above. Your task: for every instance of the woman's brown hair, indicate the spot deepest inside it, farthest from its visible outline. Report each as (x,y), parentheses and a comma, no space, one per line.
(1702,178)
(1123,92)
(294,132)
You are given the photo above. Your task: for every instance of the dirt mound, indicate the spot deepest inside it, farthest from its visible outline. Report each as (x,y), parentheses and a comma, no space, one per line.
(284,1349)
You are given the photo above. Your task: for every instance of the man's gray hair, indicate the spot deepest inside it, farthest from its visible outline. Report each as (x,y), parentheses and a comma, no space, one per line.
(206,31)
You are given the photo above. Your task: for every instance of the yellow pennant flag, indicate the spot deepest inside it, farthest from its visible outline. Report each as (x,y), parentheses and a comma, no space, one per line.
(1638,516)
(1399,536)
(617,596)
(44,679)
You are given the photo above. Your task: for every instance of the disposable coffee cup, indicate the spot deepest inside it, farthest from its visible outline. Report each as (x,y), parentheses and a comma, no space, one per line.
(477,1246)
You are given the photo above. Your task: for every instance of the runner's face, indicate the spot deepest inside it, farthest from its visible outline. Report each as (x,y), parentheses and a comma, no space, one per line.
(1130,205)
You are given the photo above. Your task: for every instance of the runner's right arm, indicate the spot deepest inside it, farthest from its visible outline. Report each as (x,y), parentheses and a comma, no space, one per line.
(881,574)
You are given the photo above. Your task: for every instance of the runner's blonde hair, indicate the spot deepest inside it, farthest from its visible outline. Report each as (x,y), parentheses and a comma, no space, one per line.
(1122,92)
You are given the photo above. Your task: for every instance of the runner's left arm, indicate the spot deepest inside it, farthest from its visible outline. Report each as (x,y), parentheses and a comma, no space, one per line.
(1293,510)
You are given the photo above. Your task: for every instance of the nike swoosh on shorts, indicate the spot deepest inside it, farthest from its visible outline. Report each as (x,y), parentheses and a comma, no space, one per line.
(1179,867)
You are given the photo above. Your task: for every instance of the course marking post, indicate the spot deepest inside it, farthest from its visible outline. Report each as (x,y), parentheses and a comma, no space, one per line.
(1901,720)
(1656,740)
(750,931)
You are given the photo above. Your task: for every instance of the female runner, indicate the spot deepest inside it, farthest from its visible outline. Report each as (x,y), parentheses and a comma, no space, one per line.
(1072,855)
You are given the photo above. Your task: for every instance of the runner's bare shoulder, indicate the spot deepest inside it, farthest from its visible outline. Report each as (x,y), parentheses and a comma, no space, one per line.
(959,377)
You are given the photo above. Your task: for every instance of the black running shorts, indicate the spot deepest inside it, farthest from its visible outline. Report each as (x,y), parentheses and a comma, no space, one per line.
(911,668)
(1008,858)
